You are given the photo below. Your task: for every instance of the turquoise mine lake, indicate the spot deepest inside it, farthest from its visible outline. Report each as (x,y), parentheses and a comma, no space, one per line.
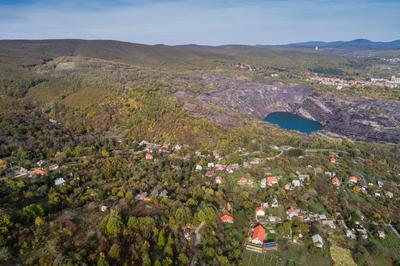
(292,121)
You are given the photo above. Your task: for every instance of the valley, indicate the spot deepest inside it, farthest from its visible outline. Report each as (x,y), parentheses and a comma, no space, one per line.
(114,153)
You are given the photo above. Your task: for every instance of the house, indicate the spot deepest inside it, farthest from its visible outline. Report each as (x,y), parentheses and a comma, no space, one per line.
(177,147)
(186,232)
(53,167)
(322,217)
(210,165)
(296,183)
(389,194)
(163,194)
(246,181)
(103,208)
(148,156)
(292,212)
(303,177)
(274,219)
(232,167)
(317,241)
(274,203)
(380,183)
(38,172)
(40,163)
(258,235)
(218,180)
(209,173)
(336,182)
(353,179)
(226,219)
(143,143)
(329,223)
(330,174)
(199,167)
(333,159)
(255,161)
(154,193)
(263,183)
(265,205)
(21,172)
(260,211)
(350,234)
(272,180)
(59,181)
(287,186)
(381,234)
(142,197)
(219,167)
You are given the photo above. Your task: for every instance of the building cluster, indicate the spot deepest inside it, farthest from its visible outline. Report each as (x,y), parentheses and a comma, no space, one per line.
(339,83)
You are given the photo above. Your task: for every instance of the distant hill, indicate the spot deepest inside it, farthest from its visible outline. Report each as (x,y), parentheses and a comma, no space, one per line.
(358,43)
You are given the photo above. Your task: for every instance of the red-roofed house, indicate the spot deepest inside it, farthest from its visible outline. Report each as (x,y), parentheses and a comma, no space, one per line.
(220,168)
(209,173)
(226,219)
(292,212)
(218,180)
(336,181)
(246,181)
(333,159)
(272,180)
(353,179)
(258,235)
(39,172)
(260,211)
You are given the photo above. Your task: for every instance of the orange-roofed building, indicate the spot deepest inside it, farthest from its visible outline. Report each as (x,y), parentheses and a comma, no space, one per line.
(226,219)
(272,180)
(353,179)
(149,156)
(258,235)
(39,172)
(336,181)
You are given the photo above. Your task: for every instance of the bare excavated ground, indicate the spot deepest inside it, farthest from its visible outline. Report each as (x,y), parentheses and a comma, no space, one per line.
(356,118)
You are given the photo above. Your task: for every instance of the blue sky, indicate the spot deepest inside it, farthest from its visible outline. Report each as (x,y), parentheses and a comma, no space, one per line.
(210,22)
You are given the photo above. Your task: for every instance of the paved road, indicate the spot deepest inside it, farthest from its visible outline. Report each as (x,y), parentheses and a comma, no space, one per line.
(198,235)
(394,230)
(197,242)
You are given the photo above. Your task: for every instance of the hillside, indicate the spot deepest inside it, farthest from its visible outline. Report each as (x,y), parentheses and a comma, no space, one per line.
(115,153)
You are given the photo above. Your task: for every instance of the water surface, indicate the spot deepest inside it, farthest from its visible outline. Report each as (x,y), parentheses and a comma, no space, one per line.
(292,121)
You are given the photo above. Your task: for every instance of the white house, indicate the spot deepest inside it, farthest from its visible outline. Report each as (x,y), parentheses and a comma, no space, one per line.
(317,240)
(263,183)
(260,211)
(199,167)
(274,203)
(59,181)
(296,183)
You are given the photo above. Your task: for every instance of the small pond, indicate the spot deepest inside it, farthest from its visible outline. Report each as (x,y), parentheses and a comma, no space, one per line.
(292,121)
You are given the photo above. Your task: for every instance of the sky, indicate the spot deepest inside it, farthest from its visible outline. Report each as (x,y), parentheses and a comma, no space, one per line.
(207,22)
